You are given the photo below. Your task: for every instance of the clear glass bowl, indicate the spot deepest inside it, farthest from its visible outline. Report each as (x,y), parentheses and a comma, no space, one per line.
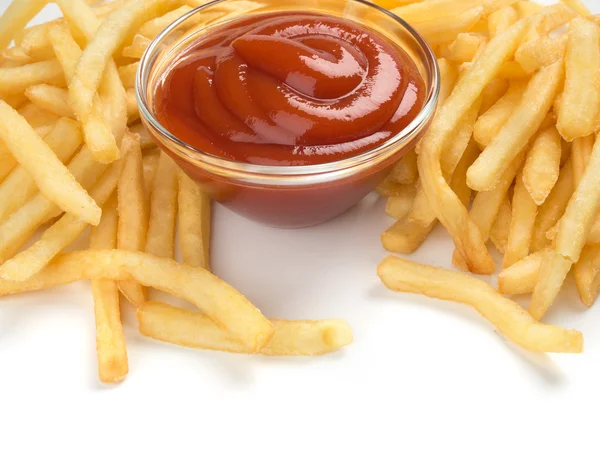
(278,195)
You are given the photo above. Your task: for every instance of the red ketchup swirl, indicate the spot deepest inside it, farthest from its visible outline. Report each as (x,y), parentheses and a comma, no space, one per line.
(289,89)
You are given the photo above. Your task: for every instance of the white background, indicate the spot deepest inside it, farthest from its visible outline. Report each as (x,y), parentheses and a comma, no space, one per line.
(421,374)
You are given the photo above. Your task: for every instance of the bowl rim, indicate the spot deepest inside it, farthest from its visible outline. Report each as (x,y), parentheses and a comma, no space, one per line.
(395,142)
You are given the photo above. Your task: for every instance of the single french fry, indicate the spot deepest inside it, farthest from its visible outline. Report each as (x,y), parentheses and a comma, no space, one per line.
(524,211)
(448,208)
(194,222)
(581,212)
(150,162)
(448,77)
(21,225)
(501,227)
(35,44)
(585,272)
(501,19)
(553,271)
(50,98)
(581,151)
(194,329)
(405,171)
(133,111)
(111,349)
(542,165)
(63,232)
(17,79)
(37,117)
(512,70)
(398,206)
(405,236)
(493,92)
(520,127)
(465,47)
(160,240)
(506,315)
(580,104)
(127,74)
(522,276)
(18,187)
(439,30)
(51,176)
(490,123)
(16,17)
(15,57)
(221,302)
(137,48)
(537,53)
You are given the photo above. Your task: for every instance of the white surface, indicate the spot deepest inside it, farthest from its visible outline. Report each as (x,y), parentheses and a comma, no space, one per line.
(421,374)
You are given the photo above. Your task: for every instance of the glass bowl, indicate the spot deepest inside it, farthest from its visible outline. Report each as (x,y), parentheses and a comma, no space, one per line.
(285,196)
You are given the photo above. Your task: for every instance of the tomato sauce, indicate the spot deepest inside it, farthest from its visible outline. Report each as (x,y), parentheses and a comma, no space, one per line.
(289,88)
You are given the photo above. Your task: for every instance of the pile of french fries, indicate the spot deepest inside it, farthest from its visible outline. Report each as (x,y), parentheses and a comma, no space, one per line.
(512,158)
(73,155)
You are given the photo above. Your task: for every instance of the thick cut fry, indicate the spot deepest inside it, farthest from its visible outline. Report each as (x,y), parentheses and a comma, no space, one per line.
(508,317)
(447,206)
(222,303)
(448,76)
(137,48)
(512,70)
(554,207)
(491,122)
(51,176)
(580,105)
(575,225)
(553,271)
(50,98)
(440,30)
(405,171)
(522,125)
(501,19)
(524,211)
(501,227)
(150,162)
(21,225)
(405,236)
(128,74)
(194,208)
(542,165)
(153,27)
(15,57)
(112,31)
(493,92)
(19,187)
(110,341)
(17,79)
(581,150)
(64,232)
(446,9)
(398,206)
(66,49)
(537,53)
(35,44)
(522,276)
(194,329)
(36,116)
(586,272)
(16,17)
(465,47)
(163,208)
(133,218)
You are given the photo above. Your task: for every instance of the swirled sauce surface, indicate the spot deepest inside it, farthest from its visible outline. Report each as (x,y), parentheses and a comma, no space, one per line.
(289,89)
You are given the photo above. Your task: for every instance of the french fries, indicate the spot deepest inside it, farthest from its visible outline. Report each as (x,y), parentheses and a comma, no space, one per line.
(398,206)
(510,319)
(522,222)
(194,207)
(501,19)
(50,98)
(501,227)
(16,16)
(439,30)
(15,79)
(111,349)
(580,106)
(194,329)
(542,165)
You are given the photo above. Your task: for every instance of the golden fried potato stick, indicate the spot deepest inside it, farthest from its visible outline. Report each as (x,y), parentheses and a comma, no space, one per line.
(145,139)
(398,206)
(438,30)
(150,162)
(37,117)
(194,207)
(18,187)
(17,79)
(221,302)
(66,230)
(445,203)
(493,92)
(508,317)
(52,178)
(586,272)
(527,8)
(581,150)
(160,240)
(405,236)
(553,271)
(542,166)
(501,227)
(405,171)
(580,104)
(137,48)
(521,277)
(465,47)
(50,98)
(524,211)
(127,74)
(448,77)
(491,122)
(133,111)
(111,349)
(518,130)
(111,33)
(447,9)
(16,17)
(501,19)
(194,329)
(537,53)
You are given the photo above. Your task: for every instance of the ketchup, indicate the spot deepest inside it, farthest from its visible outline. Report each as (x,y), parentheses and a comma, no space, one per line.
(289,88)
